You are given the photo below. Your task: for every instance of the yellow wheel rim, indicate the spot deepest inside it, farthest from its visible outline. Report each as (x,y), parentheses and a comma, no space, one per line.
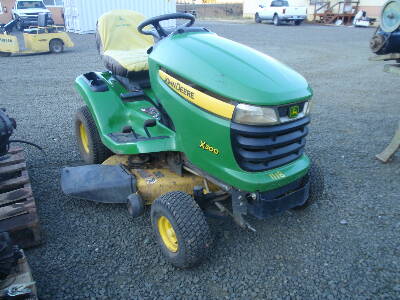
(84,138)
(167,234)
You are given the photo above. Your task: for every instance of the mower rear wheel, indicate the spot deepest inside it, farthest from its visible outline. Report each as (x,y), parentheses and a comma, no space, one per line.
(5,54)
(56,46)
(317,185)
(91,148)
(181,229)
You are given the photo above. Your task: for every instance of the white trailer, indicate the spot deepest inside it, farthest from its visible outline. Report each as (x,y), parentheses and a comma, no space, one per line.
(81,15)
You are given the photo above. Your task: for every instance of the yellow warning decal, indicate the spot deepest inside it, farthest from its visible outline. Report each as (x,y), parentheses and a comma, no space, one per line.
(8,43)
(277,175)
(207,147)
(198,98)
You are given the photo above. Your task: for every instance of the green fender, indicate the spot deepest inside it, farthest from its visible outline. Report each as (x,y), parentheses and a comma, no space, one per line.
(111,114)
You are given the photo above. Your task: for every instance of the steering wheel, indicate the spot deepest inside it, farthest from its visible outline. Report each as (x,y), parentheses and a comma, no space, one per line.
(162,32)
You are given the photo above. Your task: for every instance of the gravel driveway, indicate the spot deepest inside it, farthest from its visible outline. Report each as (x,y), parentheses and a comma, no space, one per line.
(344,247)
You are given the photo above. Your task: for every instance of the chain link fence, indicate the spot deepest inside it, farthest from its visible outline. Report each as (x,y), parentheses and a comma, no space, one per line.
(229,10)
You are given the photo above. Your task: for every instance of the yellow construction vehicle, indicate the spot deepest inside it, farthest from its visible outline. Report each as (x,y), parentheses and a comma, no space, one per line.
(40,39)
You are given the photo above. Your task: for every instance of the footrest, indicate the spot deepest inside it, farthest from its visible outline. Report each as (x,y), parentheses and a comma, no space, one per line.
(124,138)
(391,149)
(133,96)
(385,57)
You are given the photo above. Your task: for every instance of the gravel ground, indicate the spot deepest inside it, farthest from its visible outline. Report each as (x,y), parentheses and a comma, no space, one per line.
(344,247)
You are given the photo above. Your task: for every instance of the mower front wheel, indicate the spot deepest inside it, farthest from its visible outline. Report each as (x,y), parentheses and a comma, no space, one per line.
(90,146)
(56,46)
(317,185)
(181,229)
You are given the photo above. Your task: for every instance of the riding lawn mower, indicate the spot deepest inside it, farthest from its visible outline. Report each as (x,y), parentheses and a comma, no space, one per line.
(39,39)
(192,124)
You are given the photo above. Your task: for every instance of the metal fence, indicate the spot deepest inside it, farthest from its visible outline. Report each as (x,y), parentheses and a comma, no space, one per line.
(212,10)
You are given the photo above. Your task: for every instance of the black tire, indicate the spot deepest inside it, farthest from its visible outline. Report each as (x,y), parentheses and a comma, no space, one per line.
(276,20)
(190,228)
(56,46)
(297,22)
(5,54)
(135,205)
(317,185)
(257,18)
(94,152)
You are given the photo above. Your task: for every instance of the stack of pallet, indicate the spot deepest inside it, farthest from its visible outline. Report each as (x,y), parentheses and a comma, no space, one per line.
(329,12)
(18,214)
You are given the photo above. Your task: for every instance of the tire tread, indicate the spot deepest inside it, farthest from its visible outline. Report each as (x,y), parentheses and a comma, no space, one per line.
(317,185)
(98,152)
(191,224)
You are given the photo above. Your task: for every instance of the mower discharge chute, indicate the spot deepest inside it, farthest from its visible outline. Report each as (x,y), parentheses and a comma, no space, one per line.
(200,123)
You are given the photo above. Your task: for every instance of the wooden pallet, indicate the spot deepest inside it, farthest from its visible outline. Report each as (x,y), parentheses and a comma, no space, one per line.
(22,277)
(385,57)
(394,145)
(331,18)
(18,214)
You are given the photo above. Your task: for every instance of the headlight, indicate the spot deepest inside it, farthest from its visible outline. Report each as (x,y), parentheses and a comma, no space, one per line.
(307,107)
(255,115)
(262,115)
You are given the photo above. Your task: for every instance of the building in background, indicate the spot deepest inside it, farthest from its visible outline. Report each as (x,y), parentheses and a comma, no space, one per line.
(5,10)
(208,1)
(372,7)
(55,6)
(81,15)
(57,9)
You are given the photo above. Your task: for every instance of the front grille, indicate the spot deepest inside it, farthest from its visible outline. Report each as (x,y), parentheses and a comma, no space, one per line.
(31,18)
(261,148)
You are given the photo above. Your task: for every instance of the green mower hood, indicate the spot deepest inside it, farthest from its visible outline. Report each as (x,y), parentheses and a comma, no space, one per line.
(189,73)
(230,69)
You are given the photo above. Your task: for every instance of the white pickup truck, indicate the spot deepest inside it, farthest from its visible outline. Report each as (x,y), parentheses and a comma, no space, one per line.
(26,13)
(279,11)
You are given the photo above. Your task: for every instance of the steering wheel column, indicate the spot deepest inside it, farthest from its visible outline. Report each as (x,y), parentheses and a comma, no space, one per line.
(161,32)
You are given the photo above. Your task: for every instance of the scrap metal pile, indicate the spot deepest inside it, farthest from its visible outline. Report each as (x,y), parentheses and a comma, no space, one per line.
(386,44)
(387,37)
(15,276)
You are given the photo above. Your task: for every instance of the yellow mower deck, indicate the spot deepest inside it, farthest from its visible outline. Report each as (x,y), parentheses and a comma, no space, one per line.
(152,183)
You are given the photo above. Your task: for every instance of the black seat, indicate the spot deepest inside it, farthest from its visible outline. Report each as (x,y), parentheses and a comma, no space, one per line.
(123,49)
